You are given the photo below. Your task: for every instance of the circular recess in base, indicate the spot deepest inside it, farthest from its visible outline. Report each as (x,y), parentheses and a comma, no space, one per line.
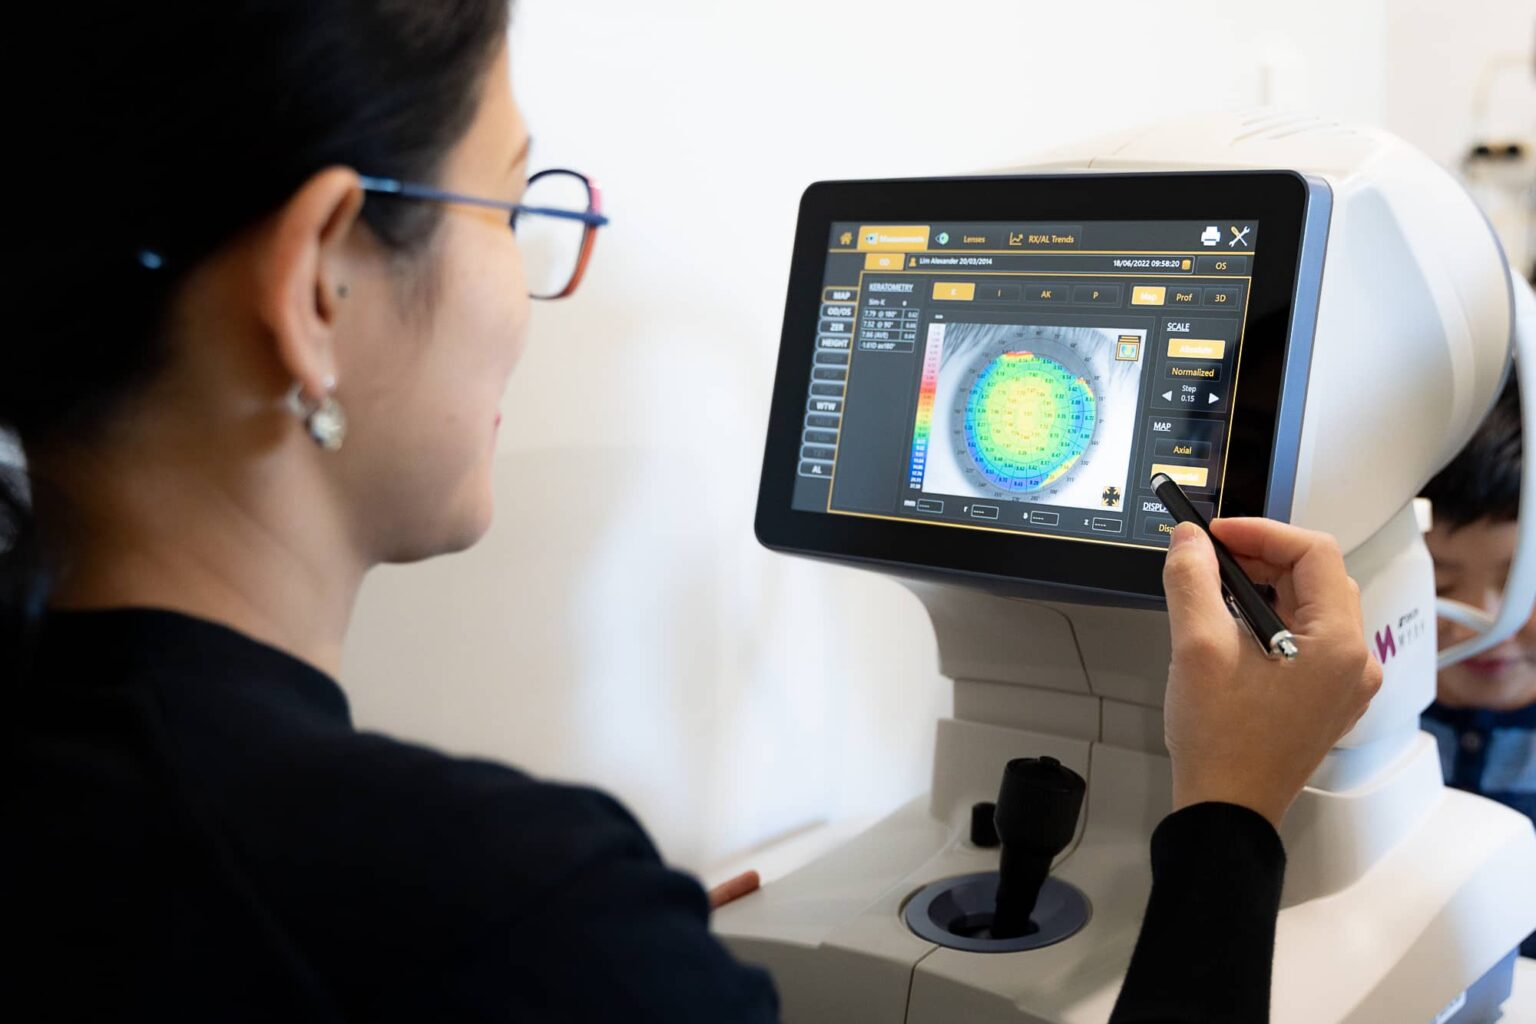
(957,912)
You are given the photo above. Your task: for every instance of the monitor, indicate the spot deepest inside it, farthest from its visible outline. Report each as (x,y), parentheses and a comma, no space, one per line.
(978,376)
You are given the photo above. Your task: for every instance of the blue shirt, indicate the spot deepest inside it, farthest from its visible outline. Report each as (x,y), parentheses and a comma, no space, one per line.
(1490,753)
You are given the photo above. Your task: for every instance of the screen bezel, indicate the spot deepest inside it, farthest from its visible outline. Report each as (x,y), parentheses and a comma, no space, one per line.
(1277,200)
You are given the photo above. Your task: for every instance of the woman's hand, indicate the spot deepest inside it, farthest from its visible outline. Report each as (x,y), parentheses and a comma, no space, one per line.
(1242,728)
(735,889)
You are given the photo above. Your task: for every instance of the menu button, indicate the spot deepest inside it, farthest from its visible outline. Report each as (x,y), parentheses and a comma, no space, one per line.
(1213,264)
(1166,448)
(1097,294)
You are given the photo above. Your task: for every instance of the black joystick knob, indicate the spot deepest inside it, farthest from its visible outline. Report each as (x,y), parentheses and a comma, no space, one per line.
(1037,809)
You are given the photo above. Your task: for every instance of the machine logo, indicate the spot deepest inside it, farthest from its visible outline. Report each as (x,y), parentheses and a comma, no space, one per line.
(1410,627)
(1385,648)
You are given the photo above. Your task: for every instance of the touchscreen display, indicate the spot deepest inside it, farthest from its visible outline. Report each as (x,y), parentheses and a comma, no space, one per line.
(1023,377)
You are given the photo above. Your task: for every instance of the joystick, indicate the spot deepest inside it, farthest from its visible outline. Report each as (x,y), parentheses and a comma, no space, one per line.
(1036,817)
(1018,907)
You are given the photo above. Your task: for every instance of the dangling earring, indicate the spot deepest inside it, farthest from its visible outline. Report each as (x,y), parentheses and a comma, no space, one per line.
(324,420)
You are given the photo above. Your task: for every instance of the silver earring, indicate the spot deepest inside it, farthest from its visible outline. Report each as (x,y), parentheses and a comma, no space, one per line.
(324,420)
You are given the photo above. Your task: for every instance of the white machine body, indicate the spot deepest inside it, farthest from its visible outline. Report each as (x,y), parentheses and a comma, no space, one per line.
(1400,893)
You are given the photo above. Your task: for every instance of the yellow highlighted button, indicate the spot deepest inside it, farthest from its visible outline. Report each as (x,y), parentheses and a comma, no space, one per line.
(1196,348)
(884,261)
(954,291)
(893,237)
(1184,476)
(1148,295)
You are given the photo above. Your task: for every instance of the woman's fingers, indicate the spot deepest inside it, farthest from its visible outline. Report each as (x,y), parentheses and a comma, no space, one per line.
(735,889)
(1192,585)
(1310,562)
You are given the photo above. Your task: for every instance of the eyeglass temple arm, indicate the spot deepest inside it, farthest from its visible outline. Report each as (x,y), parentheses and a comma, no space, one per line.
(389,186)
(589,217)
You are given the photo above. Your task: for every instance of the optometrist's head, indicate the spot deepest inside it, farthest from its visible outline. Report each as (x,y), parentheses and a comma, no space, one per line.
(212,290)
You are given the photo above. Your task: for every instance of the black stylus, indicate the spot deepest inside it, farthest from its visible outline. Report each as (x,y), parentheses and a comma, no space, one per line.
(1242,596)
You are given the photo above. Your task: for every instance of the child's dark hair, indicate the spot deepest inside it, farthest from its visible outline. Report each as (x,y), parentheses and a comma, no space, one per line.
(154,133)
(1483,480)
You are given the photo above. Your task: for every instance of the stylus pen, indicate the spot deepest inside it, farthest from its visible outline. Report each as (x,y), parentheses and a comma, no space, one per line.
(1242,596)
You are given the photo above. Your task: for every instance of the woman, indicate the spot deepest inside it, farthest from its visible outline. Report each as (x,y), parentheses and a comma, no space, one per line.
(276,303)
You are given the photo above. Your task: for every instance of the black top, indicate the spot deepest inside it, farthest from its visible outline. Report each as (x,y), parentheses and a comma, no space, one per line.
(195,830)
(205,836)
(1208,938)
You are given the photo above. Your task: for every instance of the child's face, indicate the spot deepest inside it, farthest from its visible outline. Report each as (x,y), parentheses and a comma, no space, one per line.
(1470,565)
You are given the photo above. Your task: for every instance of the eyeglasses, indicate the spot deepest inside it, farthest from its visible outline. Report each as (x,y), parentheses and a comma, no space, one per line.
(555,224)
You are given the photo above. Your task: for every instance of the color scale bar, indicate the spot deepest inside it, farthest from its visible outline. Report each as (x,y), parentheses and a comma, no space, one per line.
(925,394)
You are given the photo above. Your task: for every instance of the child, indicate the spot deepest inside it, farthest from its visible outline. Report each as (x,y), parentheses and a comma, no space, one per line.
(1484,717)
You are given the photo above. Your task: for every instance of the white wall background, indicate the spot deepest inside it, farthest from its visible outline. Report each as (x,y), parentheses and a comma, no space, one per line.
(1463,72)
(1446,57)
(620,624)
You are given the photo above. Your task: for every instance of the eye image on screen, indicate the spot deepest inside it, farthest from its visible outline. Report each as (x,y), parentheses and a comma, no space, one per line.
(1034,413)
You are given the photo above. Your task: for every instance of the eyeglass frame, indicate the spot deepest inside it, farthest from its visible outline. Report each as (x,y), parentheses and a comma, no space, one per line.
(592,217)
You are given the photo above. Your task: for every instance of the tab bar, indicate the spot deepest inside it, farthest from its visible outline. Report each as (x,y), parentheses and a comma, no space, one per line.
(893,238)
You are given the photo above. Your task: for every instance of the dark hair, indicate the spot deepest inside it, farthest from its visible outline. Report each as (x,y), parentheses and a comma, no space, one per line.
(163,130)
(1483,480)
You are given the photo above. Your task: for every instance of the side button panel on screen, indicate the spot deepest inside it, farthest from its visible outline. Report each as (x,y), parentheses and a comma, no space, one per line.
(829,376)
(1188,450)
(1195,356)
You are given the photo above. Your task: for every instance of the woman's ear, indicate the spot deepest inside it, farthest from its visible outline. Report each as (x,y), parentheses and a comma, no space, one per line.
(303,265)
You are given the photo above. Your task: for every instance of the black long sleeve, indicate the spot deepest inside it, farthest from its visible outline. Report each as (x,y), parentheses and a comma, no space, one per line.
(1208,939)
(194,830)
